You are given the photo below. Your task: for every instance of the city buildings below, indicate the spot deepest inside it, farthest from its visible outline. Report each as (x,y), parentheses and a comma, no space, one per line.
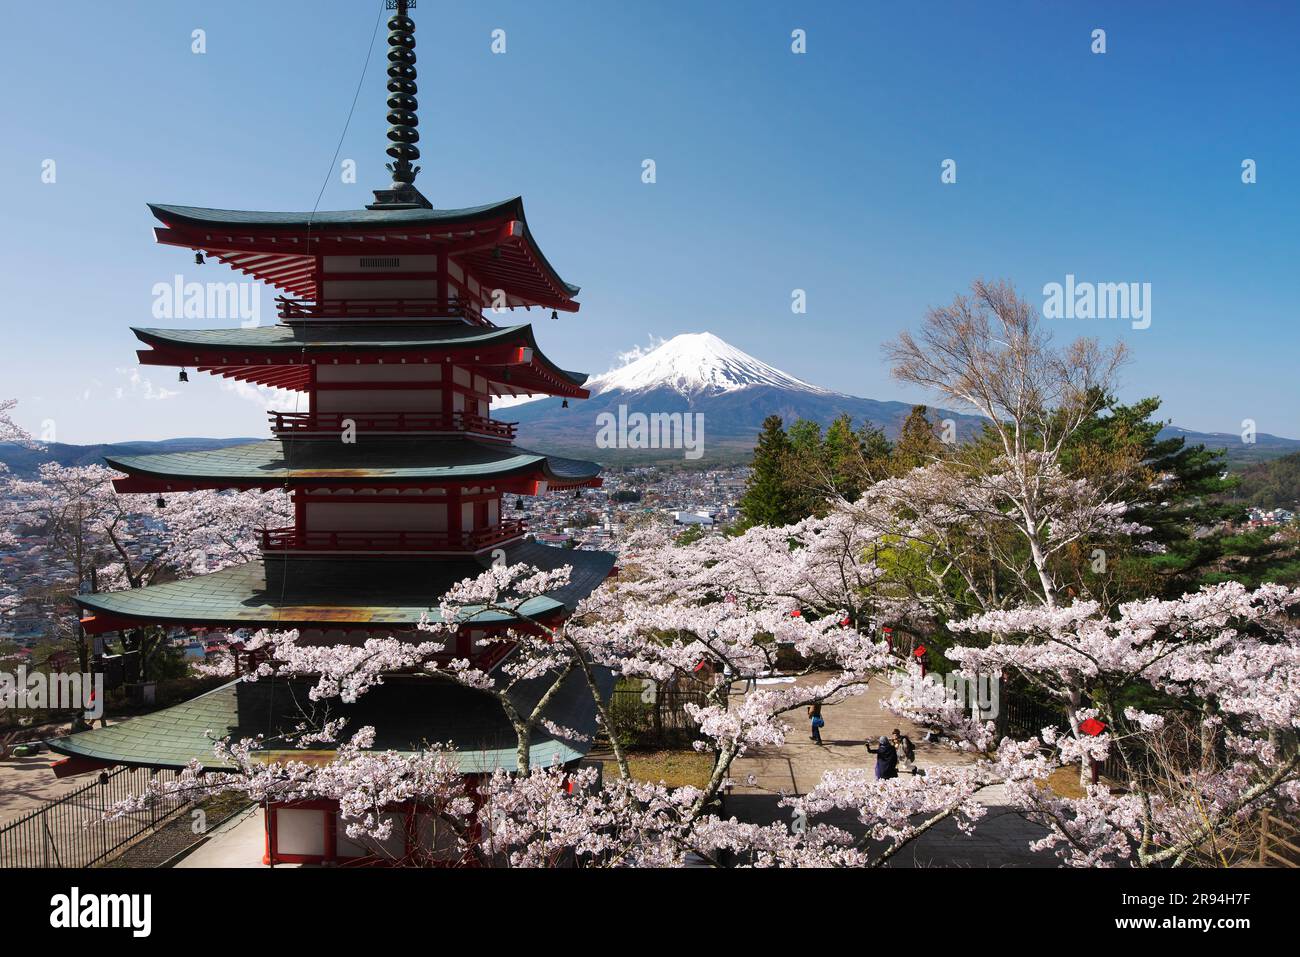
(1266,518)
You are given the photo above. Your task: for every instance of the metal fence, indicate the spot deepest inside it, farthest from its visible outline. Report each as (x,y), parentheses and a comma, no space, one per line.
(1025,718)
(653,717)
(69,832)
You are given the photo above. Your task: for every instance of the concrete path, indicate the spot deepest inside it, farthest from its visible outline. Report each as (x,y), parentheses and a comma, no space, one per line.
(1001,839)
(239,842)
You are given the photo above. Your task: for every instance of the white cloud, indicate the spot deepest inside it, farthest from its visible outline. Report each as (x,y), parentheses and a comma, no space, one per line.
(139,387)
(637,352)
(270,399)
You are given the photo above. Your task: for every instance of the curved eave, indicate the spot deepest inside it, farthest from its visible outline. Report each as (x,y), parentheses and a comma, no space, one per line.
(115,611)
(282,257)
(373,595)
(405,713)
(328,462)
(279,356)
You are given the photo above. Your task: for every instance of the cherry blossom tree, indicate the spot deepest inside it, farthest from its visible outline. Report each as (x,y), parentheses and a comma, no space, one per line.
(1234,650)
(957,540)
(732,602)
(9,432)
(97,540)
(728,602)
(972,543)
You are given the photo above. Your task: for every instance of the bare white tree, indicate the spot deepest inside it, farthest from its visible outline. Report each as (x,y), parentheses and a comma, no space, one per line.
(987,353)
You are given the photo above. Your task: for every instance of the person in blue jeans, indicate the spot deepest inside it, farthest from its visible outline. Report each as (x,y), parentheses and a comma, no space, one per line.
(816,720)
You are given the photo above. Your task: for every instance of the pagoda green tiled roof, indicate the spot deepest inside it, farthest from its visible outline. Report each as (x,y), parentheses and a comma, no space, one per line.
(343,593)
(409,714)
(330,461)
(373,335)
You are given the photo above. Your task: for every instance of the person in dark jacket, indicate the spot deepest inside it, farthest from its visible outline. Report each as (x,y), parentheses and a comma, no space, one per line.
(886,758)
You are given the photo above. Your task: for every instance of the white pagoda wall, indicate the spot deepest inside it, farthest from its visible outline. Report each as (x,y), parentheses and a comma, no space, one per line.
(373,517)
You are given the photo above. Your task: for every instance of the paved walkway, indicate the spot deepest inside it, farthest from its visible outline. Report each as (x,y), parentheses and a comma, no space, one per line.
(1001,839)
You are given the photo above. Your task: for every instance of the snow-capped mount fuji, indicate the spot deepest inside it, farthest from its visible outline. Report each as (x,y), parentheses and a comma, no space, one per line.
(696,364)
(699,373)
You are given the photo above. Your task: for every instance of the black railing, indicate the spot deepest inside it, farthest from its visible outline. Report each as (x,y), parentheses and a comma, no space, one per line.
(288,423)
(653,718)
(451,307)
(291,538)
(69,831)
(1025,717)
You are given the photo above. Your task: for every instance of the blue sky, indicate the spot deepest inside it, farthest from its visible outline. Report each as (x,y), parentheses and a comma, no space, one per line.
(775,171)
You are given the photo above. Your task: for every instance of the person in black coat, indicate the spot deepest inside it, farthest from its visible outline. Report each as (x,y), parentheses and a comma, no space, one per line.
(886,758)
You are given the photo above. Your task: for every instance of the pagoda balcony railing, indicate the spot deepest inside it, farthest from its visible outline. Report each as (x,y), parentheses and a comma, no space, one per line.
(404,308)
(304,423)
(292,539)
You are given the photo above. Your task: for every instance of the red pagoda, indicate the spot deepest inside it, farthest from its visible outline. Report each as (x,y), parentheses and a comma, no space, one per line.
(394,463)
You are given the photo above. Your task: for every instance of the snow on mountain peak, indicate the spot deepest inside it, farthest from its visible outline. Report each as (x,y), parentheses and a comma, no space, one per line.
(696,363)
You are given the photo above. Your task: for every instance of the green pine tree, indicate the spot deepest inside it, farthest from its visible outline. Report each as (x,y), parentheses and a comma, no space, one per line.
(917,444)
(1186,496)
(766,501)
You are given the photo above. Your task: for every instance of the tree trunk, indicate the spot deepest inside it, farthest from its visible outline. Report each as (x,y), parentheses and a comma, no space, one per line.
(1072,715)
(522,755)
(1209,738)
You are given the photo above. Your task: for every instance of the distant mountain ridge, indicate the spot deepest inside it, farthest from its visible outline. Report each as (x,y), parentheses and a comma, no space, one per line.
(25,461)
(690,373)
(1265,447)
(700,373)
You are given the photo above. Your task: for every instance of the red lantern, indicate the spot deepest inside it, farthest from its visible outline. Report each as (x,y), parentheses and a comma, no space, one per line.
(796,613)
(846,622)
(920,651)
(1092,727)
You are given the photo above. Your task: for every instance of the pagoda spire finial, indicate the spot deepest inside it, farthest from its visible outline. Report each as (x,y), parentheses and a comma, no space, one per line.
(403,134)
